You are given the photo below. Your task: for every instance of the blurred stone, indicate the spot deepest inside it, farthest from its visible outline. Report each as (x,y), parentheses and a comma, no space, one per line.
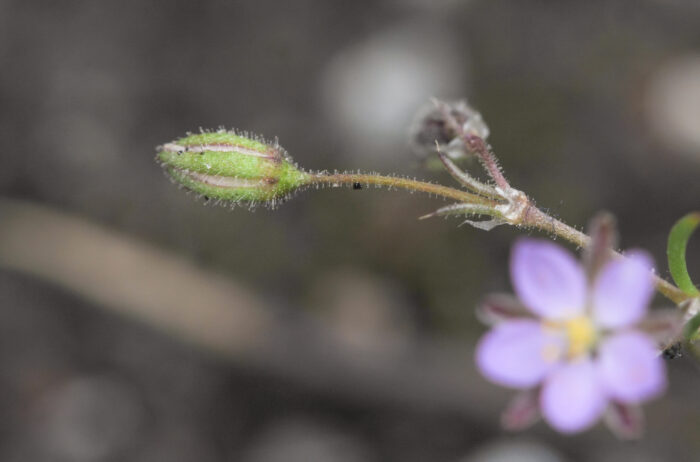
(36,337)
(172,378)
(79,151)
(644,450)
(432,6)
(303,441)
(362,311)
(372,89)
(178,444)
(89,419)
(673,105)
(514,451)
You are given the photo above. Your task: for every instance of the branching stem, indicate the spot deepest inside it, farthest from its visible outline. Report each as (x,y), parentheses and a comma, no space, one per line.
(532,217)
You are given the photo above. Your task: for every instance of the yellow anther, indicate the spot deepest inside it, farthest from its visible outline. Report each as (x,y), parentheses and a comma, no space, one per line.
(581,335)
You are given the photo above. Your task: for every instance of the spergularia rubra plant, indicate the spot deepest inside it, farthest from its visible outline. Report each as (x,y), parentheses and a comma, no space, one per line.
(578,342)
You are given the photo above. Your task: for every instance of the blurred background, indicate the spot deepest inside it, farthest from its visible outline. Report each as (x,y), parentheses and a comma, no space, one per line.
(138,324)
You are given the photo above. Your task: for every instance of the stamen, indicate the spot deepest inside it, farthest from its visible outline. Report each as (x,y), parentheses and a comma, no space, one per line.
(581,335)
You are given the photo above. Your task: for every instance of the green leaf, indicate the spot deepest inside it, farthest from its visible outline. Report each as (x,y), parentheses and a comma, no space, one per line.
(677,243)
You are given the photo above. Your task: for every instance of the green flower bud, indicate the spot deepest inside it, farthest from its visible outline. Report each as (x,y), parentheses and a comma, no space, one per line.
(231,167)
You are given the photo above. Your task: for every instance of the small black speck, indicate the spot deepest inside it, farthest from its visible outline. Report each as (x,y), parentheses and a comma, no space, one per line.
(356,186)
(674,351)
(206,198)
(179,153)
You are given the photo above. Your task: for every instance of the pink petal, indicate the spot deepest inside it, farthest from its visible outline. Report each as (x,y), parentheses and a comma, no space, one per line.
(547,279)
(517,354)
(572,397)
(630,367)
(623,291)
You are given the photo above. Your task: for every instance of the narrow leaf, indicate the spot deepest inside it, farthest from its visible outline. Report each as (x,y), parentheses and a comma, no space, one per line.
(677,243)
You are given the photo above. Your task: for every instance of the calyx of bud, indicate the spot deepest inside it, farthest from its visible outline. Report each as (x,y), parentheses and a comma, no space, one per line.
(231,167)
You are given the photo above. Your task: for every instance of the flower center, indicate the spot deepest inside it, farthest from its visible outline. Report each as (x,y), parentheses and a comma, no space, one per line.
(581,335)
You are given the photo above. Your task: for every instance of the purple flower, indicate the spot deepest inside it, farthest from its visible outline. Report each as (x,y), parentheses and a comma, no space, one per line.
(573,340)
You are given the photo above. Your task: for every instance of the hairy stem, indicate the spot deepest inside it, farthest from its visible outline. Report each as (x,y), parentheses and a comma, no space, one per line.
(350,179)
(488,160)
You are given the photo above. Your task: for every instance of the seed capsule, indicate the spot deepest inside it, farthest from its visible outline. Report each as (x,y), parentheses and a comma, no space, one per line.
(434,128)
(231,167)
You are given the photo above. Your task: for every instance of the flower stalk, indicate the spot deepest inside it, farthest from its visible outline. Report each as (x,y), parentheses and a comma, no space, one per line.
(350,179)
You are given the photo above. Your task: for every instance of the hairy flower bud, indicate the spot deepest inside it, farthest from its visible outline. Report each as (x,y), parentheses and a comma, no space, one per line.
(231,167)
